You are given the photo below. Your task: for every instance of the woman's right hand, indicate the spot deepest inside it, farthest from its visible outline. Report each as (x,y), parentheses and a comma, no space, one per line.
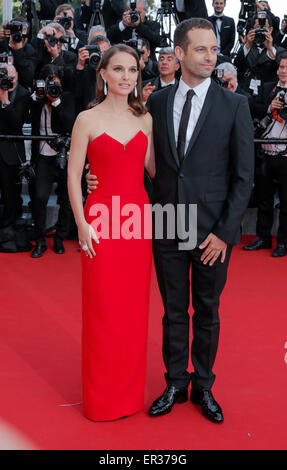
(86,234)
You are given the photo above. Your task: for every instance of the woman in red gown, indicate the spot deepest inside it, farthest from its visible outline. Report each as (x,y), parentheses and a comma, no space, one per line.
(114,231)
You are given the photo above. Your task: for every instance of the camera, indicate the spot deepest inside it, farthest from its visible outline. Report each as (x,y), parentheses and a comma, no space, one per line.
(260,32)
(65,21)
(71,40)
(51,38)
(134,14)
(6,82)
(61,145)
(47,87)
(95,55)
(136,43)
(18,30)
(249,5)
(261,126)
(26,172)
(217,76)
(283,111)
(6,58)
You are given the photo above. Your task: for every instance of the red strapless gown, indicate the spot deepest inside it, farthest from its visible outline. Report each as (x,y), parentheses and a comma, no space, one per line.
(116,282)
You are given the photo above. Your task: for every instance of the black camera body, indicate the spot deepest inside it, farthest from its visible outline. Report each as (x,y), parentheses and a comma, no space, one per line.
(61,145)
(134,14)
(217,76)
(65,21)
(6,82)
(95,55)
(6,58)
(260,37)
(18,30)
(282,96)
(44,88)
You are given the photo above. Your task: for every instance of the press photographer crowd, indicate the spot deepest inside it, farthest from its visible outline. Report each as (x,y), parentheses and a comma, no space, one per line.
(48,64)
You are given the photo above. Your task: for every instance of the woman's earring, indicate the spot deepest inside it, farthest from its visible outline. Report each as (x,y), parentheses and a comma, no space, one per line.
(136,90)
(105,88)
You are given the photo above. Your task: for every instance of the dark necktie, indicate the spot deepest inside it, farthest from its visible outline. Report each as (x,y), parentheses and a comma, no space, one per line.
(183,125)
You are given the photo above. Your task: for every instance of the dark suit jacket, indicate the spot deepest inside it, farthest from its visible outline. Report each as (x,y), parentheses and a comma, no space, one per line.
(157,83)
(112,11)
(262,68)
(62,119)
(227,33)
(193,9)
(12,119)
(149,30)
(217,172)
(261,102)
(25,62)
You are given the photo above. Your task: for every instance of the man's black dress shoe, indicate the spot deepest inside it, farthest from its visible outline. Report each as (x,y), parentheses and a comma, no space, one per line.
(210,408)
(58,246)
(165,402)
(258,244)
(280,250)
(39,249)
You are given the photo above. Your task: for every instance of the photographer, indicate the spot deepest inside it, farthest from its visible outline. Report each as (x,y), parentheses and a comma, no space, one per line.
(255,61)
(229,81)
(14,103)
(281,38)
(53,112)
(84,87)
(14,40)
(135,20)
(64,15)
(273,170)
(50,42)
(167,66)
(150,68)
(111,10)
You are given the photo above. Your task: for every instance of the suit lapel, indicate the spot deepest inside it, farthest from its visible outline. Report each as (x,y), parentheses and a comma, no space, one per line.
(170,124)
(204,112)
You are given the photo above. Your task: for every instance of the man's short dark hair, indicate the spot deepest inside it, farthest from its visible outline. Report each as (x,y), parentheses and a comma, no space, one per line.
(282,56)
(51,70)
(182,29)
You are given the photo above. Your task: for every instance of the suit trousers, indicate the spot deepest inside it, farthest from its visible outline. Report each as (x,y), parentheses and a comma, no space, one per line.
(173,267)
(10,192)
(273,177)
(47,172)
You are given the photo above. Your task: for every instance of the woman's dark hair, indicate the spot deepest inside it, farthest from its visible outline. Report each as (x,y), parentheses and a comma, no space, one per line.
(51,70)
(134,102)
(182,29)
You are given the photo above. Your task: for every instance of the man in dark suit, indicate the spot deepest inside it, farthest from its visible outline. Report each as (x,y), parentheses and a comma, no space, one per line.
(14,104)
(144,28)
(224,27)
(111,10)
(256,59)
(203,137)
(190,9)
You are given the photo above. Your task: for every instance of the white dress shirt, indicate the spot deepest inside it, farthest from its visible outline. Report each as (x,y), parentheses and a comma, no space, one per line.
(218,29)
(196,106)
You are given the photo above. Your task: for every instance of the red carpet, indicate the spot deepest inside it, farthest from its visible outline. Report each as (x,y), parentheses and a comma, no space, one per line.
(40,352)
